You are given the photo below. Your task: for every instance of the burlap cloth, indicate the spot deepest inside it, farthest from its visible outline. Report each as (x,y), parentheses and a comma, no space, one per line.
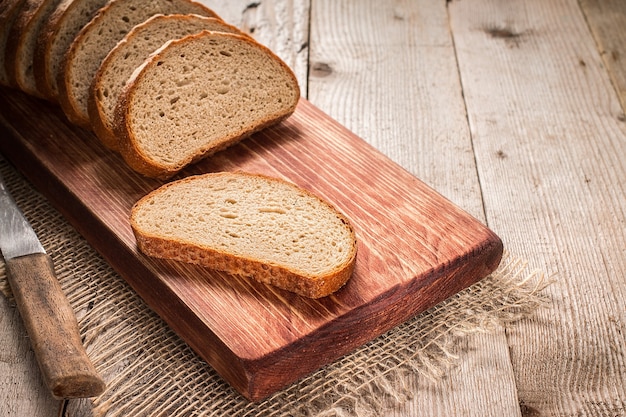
(150,371)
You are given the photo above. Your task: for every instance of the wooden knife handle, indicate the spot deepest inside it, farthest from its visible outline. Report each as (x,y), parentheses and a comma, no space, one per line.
(52,328)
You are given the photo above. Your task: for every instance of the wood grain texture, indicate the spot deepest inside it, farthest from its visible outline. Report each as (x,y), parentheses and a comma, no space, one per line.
(550,146)
(607,21)
(415,248)
(398,87)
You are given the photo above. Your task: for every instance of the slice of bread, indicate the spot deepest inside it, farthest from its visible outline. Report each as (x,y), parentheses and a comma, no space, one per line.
(55,38)
(9,12)
(131,52)
(21,43)
(98,37)
(24,14)
(198,95)
(251,225)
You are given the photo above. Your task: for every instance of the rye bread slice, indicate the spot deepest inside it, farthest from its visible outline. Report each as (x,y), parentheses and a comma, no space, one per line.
(198,95)
(98,37)
(265,228)
(55,38)
(131,52)
(21,43)
(8,14)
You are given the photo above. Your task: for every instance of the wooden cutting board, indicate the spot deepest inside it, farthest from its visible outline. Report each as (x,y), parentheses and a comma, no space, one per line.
(415,248)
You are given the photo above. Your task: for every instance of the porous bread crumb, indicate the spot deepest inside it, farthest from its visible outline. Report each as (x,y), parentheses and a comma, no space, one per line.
(56,37)
(249,217)
(95,41)
(131,52)
(198,95)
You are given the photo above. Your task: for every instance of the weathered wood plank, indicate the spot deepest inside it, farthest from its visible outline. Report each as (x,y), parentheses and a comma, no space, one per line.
(550,142)
(387,70)
(607,20)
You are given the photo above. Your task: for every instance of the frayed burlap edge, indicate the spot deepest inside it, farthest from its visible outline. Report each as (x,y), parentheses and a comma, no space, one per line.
(151,372)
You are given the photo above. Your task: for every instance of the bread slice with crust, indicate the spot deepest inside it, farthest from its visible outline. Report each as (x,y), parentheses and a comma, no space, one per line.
(21,43)
(8,14)
(130,53)
(55,38)
(198,95)
(250,225)
(98,37)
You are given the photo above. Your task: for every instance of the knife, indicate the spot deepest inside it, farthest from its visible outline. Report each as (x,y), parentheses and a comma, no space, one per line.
(48,317)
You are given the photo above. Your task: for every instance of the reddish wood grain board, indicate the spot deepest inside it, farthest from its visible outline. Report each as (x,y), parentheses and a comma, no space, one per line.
(415,247)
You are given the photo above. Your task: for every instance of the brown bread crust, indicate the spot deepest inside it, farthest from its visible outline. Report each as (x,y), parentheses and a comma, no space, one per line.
(8,17)
(276,275)
(47,35)
(104,132)
(29,27)
(20,25)
(66,99)
(134,156)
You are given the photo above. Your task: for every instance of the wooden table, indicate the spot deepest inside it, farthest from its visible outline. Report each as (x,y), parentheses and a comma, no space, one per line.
(515,111)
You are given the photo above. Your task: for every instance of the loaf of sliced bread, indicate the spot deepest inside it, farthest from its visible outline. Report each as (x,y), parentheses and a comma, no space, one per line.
(198,95)
(55,38)
(250,225)
(9,12)
(98,37)
(131,52)
(23,16)
(21,43)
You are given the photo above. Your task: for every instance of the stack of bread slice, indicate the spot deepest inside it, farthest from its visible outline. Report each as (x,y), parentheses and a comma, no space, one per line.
(55,38)
(95,41)
(166,83)
(128,55)
(163,82)
(9,13)
(21,39)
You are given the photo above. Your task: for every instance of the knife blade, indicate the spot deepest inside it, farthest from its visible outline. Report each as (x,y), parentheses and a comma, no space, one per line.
(47,314)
